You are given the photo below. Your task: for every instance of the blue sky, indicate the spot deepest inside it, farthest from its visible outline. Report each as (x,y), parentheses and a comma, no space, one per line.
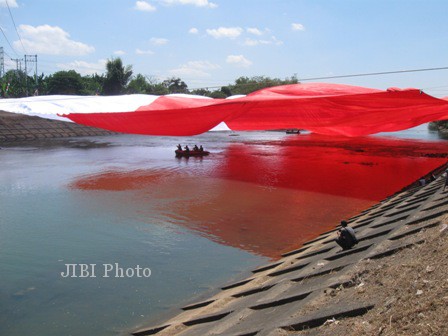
(210,43)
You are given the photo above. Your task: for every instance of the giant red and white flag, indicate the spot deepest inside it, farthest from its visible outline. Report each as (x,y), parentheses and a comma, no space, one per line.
(318,107)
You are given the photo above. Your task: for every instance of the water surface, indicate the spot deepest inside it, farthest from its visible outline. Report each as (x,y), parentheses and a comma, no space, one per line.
(196,223)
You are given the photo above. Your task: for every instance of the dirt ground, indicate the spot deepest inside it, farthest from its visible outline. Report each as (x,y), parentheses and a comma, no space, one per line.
(409,289)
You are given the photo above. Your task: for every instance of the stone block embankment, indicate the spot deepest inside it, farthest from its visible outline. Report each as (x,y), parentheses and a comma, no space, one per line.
(19,127)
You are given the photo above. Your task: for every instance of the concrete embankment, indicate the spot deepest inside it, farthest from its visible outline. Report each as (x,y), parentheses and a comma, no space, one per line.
(19,127)
(296,294)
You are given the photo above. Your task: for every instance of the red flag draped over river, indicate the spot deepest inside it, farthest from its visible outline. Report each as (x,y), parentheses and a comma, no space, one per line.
(318,107)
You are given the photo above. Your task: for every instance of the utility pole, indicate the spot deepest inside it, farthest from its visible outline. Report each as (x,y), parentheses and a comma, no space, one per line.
(30,59)
(18,72)
(2,62)
(18,63)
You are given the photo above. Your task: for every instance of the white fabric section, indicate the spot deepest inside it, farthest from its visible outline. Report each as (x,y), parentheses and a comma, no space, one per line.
(236,96)
(51,107)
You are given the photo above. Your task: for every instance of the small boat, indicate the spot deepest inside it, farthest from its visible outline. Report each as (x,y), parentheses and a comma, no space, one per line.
(293,131)
(184,153)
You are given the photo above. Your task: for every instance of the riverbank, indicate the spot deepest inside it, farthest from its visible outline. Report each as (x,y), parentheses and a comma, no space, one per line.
(19,127)
(409,288)
(393,282)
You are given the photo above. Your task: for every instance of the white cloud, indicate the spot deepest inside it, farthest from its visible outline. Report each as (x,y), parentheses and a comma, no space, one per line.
(158,41)
(85,68)
(252,43)
(197,3)
(144,52)
(254,31)
(238,60)
(297,26)
(198,69)
(193,30)
(119,52)
(11,3)
(49,40)
(276,41)
(144,6)
(229,32)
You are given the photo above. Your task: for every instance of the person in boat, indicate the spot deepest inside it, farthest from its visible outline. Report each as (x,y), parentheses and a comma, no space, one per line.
(187,149)
(179,147)
(346,236)
(195,148)
(200,148)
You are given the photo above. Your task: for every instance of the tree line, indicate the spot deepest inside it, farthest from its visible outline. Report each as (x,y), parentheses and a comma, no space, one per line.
(441,126)
(119,79)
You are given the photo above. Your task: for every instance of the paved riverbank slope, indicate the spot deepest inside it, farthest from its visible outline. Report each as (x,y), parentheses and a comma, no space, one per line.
(20,127)
(316,289)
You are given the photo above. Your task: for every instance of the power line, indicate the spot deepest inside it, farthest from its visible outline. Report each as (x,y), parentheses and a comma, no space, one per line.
(6,54)
(343,76)
(2,62)
(374,73)
(8,41)
(436,87)
(12,18)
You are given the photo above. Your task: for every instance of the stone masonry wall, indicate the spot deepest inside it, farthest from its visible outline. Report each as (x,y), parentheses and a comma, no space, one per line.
(19,127)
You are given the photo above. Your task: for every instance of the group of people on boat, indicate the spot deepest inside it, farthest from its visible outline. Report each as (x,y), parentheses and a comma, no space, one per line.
(187,149)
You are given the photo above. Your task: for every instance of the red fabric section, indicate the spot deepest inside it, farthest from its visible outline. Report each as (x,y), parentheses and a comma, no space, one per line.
(165,116)
(318,107)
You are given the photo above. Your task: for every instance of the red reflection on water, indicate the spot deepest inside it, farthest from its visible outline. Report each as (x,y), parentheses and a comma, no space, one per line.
(269,197)
(367,168)
(118,180)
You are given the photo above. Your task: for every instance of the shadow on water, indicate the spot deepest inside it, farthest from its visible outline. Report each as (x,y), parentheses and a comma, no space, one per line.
(267,196)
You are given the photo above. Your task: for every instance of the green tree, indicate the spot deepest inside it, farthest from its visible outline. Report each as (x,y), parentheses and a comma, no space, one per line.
(92,85)
(175,85)
(201,92)
(65,82)
(138,84)
(246,85)
(13,84)
(226,91)
(158,89)
(441,126)
(155,87)
(42,86)
(117,77)
(218,94)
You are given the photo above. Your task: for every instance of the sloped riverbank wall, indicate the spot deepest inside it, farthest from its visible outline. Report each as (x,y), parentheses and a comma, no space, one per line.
(19,127)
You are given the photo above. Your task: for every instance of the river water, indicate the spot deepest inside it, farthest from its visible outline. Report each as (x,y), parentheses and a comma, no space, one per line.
(126,202)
